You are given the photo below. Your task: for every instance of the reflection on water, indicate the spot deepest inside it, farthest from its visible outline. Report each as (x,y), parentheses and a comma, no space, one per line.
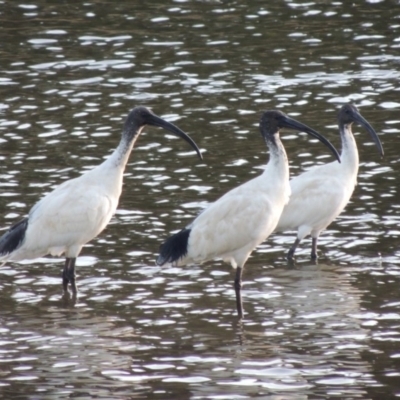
(168,332)
(68,76)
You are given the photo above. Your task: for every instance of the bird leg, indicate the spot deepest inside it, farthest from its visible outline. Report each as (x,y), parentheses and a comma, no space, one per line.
(68,275)
(65,277)
(72,275)
(290,253)
(238,288)
(314,254)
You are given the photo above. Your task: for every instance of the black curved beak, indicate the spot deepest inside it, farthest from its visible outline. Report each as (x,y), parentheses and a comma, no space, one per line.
(363,122)
(157,121)
(293,124)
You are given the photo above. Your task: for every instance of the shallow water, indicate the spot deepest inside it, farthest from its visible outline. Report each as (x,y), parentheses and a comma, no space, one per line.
(70,73)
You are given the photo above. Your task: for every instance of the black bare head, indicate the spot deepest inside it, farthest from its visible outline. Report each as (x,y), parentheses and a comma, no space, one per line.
(349,114)
(272,121)
(141,116)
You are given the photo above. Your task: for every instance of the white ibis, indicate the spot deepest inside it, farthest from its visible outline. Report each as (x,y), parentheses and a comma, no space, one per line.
(79,209)
(244,217)
(320,194)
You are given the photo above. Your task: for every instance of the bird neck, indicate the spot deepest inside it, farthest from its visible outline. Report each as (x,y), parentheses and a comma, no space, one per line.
(278,159)
(349,155)
(120,156)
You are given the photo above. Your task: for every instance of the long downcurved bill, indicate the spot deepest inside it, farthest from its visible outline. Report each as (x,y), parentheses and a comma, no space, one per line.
(363,122)
(157,121)
(293,124)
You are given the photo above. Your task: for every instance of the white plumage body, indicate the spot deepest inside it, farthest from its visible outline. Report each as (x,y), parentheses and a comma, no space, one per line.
(79,209)
(73,214)
(320,194)
(235,224)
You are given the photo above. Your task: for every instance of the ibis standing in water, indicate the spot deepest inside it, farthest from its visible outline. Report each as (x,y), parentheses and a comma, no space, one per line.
(244,217)
(79,209)
(320,194)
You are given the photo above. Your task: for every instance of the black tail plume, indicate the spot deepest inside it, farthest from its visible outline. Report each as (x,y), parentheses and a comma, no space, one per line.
(13,238)
(174,248)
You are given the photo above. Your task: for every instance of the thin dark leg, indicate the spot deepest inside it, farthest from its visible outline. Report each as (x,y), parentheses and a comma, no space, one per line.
(68,275)
(71,274)
(238,288)
(314,245)
(65,275)
(290,253)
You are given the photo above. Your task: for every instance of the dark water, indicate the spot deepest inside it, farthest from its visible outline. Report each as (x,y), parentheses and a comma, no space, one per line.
(70,73)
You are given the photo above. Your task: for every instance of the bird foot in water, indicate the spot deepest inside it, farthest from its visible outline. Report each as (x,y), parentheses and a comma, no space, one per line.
(290,256)
(67,279)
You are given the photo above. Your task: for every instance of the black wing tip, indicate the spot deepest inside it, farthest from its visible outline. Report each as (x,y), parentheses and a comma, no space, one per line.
(174,248)
(13,238)
(161,260)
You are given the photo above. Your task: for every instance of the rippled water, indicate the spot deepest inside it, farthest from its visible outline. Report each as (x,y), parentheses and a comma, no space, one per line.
(69,74)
